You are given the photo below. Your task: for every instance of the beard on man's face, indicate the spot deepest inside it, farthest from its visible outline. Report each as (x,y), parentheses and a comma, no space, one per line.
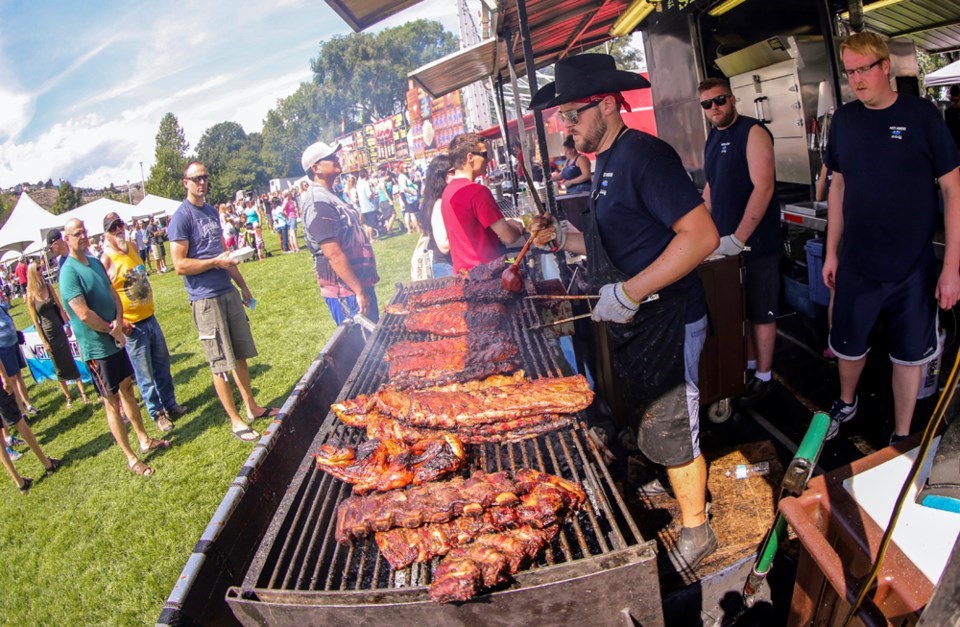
(589,139)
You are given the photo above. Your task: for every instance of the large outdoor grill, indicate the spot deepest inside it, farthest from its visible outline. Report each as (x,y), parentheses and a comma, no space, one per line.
(598,569)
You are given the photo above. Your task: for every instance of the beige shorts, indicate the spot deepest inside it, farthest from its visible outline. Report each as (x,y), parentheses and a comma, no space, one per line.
(224,331)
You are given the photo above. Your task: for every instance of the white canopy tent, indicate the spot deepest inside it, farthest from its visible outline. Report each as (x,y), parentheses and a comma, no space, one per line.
(92,214)
(28,223)
(152,205)
(948,75)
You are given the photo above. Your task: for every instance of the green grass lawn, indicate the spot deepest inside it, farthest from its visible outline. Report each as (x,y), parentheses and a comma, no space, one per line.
(94,544)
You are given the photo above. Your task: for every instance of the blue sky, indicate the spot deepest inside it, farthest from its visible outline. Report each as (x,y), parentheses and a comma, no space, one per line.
(83,85)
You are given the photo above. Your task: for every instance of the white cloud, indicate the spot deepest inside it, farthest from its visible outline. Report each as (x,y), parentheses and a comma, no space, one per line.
(18,108)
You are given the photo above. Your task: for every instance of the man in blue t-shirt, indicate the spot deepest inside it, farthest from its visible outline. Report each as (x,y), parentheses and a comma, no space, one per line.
(96,317)
(646,231)
(741,196)
(200,256)
(886,151)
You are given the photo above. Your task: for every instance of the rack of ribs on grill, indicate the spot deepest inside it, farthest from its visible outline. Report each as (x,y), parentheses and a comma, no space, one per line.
(428,503)
(458,318)
(385,464)
(488,271)
(452,409)
(461,359)
(384,427)
(487,561)
(460,289)
(547,503)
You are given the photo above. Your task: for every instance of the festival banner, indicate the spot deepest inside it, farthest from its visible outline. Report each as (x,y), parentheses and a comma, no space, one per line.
(39,362)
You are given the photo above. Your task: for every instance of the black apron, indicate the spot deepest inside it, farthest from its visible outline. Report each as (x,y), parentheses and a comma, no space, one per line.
(648,357)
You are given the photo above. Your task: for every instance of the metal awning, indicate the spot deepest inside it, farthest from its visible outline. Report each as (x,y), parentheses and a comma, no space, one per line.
(933,25)
(362,14)
(462,68)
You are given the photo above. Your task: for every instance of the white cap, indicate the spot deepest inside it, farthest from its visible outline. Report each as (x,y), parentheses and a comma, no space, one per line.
(316,152)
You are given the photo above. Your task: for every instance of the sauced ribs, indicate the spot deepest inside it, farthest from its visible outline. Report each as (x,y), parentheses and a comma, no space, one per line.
(417,505)
(460,289)
(488,271)
(388,464)
(456,318)
(383,427)
(546,503)
(464,358)
(487,561)
(443,409)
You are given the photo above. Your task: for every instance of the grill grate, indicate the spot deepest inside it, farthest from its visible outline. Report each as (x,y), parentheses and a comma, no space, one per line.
(299,552)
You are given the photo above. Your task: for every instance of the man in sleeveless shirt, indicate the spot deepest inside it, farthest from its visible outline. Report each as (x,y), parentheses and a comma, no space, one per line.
(646,231)
(146,345)
(741,196)
(343,257)
(886,150)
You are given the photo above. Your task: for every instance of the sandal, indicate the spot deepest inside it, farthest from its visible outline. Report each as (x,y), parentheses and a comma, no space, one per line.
(140,469)
(69,403)
(155,445)
(246,435)
(268,412)
(27,482)
(54,466)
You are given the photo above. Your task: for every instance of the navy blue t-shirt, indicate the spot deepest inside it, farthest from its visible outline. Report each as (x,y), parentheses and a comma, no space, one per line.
(642,190)
(725,166)
(200,228)
(890,160)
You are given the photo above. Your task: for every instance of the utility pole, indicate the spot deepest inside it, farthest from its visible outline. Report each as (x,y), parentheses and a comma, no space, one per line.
(143,187)
(129,195)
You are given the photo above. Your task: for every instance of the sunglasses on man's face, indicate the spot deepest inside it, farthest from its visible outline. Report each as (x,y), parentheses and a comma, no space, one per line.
(716,100)
(480,153)
(200,178)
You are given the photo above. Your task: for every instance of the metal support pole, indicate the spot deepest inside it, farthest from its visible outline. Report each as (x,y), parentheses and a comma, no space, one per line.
(829,41)
(505,132)
(530,64)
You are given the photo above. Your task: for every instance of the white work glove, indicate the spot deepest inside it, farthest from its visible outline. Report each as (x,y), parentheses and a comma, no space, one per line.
(614,305)
(729,246)
(548,234)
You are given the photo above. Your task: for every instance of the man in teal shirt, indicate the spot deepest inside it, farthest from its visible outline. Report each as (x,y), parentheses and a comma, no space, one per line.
(96,317)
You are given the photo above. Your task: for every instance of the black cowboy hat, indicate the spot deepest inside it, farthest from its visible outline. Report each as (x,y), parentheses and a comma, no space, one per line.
(584,75)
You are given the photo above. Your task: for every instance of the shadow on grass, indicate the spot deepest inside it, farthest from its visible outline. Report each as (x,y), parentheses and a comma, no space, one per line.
(74,417)
(184,376)
(178,357)
(91,448)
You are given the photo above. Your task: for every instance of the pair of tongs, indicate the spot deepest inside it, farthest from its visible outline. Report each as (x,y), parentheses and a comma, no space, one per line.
(648,299)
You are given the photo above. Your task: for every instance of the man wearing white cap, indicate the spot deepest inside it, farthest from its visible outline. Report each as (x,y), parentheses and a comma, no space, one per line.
(345,264)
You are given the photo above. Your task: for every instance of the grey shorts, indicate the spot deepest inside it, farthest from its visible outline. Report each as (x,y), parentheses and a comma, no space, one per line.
(224,331)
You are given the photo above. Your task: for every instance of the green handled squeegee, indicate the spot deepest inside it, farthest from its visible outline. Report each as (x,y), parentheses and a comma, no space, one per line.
(794,482)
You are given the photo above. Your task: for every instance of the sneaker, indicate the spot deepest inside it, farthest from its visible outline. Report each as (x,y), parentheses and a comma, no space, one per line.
(54,466)
(164,423)
(687,553)
(178,410)
(15,441)
(840,413)
(894,438)
(14,455)
(756,391)
(31,410)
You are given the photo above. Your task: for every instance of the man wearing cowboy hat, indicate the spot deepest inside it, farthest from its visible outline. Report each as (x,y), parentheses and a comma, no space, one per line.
(646,232)
(345,264)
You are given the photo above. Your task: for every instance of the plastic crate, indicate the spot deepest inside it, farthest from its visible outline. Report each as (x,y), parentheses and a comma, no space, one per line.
(819,293)
(796,293)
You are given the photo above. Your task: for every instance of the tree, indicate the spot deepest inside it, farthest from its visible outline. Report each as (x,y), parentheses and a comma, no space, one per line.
(170,159)
(216,147)
(296,122)
(67,198)
(627,56)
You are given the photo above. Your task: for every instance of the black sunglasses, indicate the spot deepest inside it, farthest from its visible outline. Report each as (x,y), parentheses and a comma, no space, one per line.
(480,153)
(716,100)
(200,178)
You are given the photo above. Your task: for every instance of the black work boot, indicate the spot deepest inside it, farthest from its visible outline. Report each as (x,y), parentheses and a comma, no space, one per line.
(694,544)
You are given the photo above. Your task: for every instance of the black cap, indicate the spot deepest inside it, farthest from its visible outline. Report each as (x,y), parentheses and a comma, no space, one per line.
(110,220)
(53,237)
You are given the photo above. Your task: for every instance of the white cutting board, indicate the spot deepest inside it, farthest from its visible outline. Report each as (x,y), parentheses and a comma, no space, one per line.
(924,534)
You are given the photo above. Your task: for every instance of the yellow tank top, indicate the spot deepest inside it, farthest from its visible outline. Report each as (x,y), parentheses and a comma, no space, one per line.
(131,284)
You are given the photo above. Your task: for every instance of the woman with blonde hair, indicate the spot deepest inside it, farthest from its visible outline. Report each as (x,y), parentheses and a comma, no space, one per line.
(49,318)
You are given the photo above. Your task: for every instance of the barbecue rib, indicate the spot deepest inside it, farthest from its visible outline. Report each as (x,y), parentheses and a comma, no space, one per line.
(460,289)
(444,409)
(383,427)
(476,358)
(429,503)
(488,271)
(547,503)
(459,344)
(387,464)
(458,318)
(487,561)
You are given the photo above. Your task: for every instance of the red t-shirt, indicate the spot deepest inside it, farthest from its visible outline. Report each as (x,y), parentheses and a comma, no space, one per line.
(21,272)
(468,211)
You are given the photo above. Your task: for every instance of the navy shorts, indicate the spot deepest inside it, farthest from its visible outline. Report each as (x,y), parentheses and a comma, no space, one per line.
(908,308)
(762,288)
(12,360)
(9,410)
(110,372)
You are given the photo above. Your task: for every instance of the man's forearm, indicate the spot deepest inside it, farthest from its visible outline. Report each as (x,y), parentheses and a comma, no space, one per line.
(834,216)
(754,212)
(684,253)
(951,224)
(234,272)
(190,266)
